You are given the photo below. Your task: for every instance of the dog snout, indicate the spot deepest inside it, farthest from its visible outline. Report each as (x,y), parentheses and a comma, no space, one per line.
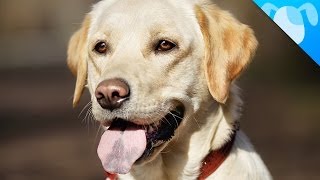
(112,93)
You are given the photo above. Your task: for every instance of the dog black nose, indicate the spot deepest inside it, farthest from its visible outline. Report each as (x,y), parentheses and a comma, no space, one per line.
(112,93)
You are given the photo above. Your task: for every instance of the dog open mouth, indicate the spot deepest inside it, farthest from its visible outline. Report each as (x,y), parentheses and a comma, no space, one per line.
(125,143)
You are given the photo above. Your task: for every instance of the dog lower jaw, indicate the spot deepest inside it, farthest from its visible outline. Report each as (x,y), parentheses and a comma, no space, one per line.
(158,135)
(147,158)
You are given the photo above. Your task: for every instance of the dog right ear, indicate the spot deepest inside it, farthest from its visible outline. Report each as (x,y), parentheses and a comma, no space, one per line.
(229,47)
(77,57)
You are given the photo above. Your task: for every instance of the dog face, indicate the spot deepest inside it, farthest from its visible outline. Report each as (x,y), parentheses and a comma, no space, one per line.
(151,65)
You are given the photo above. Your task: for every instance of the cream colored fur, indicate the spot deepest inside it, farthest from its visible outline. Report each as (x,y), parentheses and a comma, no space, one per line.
(212,50)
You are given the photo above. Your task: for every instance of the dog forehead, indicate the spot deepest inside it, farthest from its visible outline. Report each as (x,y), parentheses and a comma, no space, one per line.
(122,15)
(124,6)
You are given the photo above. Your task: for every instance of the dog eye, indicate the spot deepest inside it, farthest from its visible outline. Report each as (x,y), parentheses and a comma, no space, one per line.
(165,45)
(100,47)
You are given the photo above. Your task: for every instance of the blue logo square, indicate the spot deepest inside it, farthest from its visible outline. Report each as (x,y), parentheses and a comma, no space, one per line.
(299,19)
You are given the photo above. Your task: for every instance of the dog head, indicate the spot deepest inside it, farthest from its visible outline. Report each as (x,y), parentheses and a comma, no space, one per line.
(151,65)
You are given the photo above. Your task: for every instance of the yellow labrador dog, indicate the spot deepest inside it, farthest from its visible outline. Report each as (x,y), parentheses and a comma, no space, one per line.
(161,76)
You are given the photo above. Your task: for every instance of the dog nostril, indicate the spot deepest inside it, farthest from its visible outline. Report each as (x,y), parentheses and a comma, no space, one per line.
(99,96)
(115,94)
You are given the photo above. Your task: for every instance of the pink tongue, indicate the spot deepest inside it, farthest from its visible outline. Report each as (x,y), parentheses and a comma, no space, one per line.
(119,149)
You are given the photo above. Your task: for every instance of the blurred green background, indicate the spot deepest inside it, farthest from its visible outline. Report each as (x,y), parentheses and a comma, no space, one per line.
(42,137)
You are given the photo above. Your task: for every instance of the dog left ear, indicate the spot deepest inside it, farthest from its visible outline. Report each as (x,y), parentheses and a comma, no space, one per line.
(77,58)
(229,47)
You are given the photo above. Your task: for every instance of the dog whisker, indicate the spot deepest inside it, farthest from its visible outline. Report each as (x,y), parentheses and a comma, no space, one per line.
(86,119)
(164,118)
(196,121)
(174,116)
(86,106)
(97,133)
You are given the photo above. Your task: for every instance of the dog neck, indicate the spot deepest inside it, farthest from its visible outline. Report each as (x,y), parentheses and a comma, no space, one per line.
(214,135)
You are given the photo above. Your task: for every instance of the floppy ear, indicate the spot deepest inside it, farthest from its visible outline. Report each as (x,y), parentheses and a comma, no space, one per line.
(77,58)
(229,48)
(311,11)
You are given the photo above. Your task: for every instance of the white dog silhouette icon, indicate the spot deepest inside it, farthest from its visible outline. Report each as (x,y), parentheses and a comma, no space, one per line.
(290,19)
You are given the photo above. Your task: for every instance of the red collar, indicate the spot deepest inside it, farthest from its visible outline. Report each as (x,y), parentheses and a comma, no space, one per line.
(111,176)
(210,163)
(215,158)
